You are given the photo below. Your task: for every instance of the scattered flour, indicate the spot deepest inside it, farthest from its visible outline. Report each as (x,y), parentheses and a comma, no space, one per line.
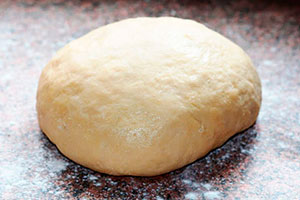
(192,196)
(212,195)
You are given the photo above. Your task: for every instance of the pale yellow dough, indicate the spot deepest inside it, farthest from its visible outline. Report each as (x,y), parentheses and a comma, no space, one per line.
(145,96)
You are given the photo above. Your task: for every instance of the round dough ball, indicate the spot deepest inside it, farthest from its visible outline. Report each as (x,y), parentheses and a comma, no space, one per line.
(145,96)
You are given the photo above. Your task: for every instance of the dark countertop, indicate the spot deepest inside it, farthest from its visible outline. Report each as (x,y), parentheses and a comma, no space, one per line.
(260,163)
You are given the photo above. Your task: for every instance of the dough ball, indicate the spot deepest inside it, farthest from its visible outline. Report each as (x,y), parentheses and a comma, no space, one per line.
(145,96)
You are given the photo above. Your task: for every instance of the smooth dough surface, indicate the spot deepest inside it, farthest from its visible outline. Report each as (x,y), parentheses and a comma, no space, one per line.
(145,96)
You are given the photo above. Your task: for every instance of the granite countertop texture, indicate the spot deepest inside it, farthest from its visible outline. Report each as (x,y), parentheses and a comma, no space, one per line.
(262,162)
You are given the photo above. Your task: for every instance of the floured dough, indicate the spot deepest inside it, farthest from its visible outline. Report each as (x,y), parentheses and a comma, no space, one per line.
(145,96)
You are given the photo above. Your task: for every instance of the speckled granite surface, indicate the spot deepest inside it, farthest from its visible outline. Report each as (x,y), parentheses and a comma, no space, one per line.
(260,163)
